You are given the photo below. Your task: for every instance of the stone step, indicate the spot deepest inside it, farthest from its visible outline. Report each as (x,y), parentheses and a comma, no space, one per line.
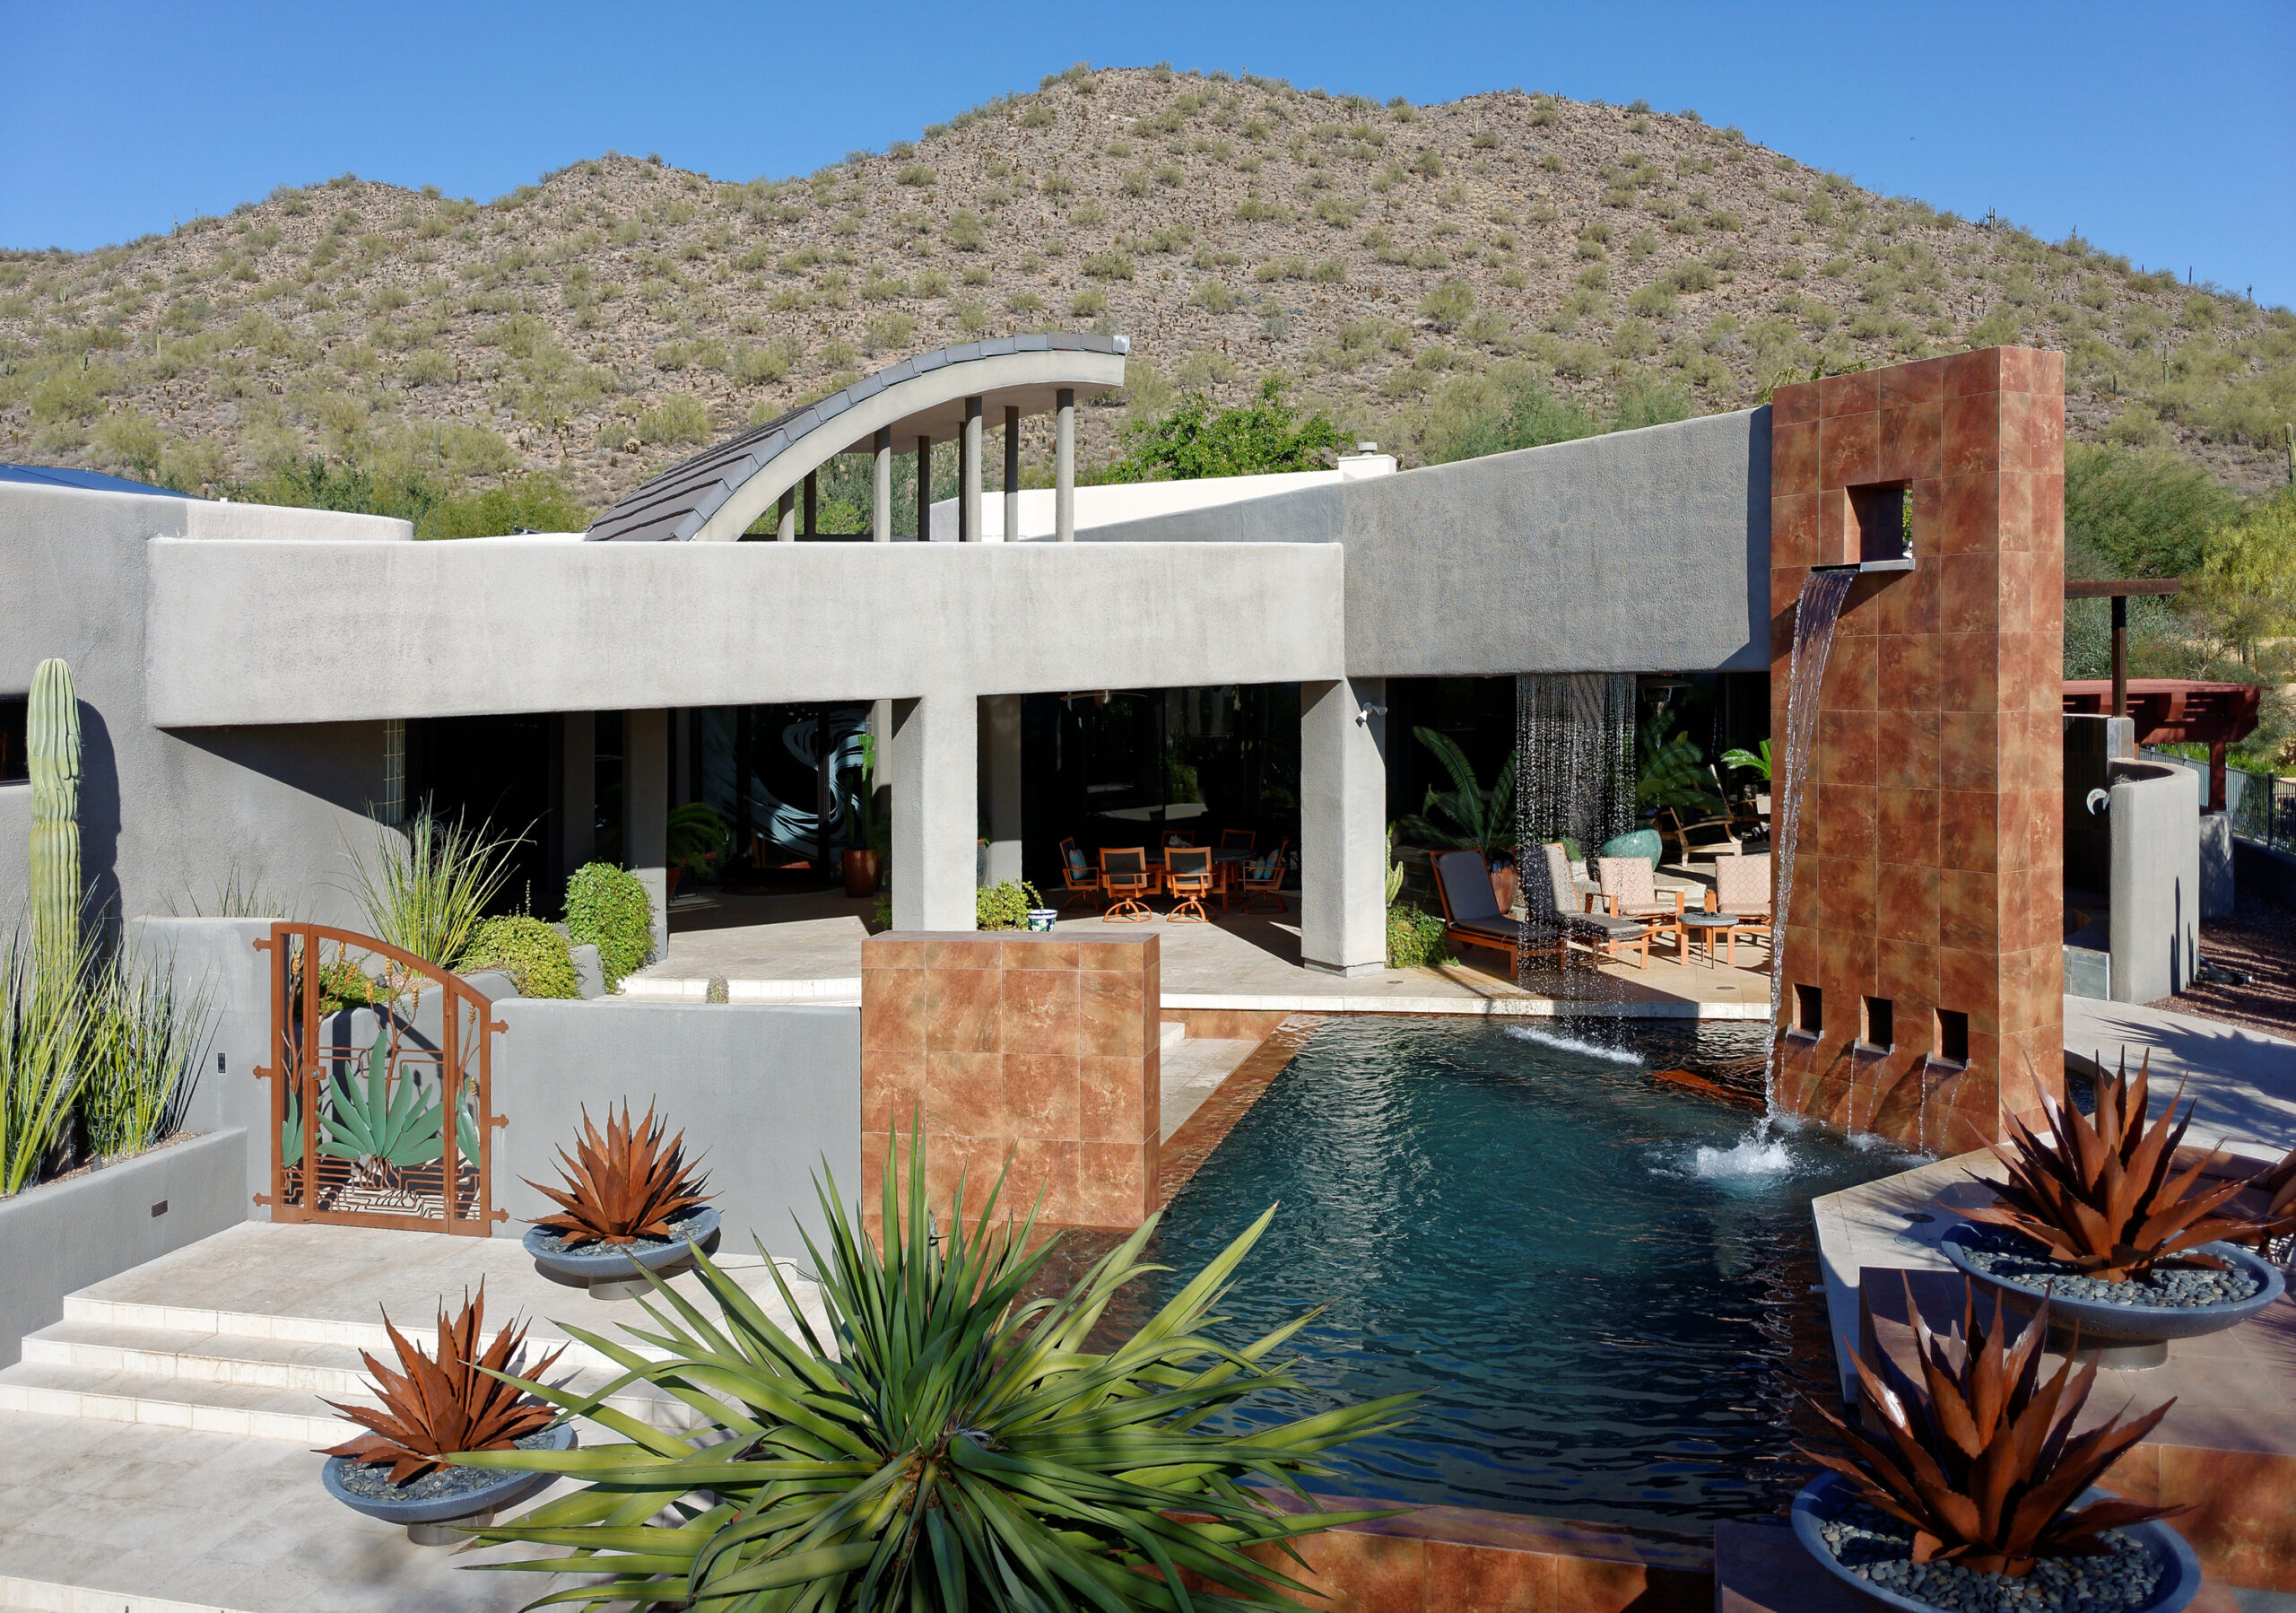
(47,1596)
(1173,1032)
(227,1393)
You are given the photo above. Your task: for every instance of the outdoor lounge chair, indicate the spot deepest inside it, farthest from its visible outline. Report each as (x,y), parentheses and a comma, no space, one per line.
(1187,874)
(1559,897)
(1471,915)
(1629,891)
(1715,836)
(1077,879)
(1126,881)
(1741,887)
(1264,881)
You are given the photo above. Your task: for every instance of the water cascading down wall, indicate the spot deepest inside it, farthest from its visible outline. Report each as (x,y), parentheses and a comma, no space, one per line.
(1921,957)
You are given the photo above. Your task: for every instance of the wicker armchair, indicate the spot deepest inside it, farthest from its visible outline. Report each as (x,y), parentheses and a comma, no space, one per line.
(1555,900)
(1629,893)
(1741,887)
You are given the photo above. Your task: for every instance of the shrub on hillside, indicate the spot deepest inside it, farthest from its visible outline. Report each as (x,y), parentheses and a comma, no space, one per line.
(537,957)
(607,908)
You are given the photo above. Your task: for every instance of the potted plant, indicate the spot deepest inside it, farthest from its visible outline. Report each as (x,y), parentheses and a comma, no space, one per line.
(2098,1220)
(947,1440)
(1974,1483)
(868,836)
(437,1408)
(698,841)
(631,1205)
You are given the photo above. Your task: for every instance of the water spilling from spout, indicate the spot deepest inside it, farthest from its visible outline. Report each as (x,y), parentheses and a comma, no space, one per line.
(1814,617)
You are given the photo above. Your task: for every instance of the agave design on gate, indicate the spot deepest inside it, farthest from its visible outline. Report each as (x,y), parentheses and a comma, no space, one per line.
(2104,1198)
(624,1185)
(1979,1455)
(946,1443)
(458,1399)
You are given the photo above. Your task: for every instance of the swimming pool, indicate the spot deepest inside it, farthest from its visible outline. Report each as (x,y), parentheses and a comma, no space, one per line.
(1601,1284)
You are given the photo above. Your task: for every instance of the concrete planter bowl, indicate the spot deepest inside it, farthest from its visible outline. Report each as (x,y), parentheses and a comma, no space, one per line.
(2122,1336)
(1824,1497)
(607,1273)
(440,1521)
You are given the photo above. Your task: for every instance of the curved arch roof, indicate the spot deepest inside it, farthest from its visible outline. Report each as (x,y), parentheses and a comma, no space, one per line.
(716,496)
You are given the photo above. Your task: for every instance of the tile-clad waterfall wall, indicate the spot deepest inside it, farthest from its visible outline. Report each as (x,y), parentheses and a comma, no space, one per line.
(1922,984)
(1030,1053)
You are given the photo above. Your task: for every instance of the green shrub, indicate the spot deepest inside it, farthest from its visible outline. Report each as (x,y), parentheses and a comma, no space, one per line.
(1005,906)
(1414,938)
(535,957)
(607,908)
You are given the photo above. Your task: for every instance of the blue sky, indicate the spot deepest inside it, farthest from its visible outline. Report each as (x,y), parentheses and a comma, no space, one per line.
(2167,133)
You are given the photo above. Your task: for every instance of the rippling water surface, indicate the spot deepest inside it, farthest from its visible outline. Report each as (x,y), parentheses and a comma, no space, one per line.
(1601,1284)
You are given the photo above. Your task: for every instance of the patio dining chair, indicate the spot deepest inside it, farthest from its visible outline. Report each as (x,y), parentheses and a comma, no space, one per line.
(1126,881)
(1238,839)
(1741,887)
(1264,881)
(1187,876)
(1713,838)
(1555,900)
(1629,893)
(1078,882)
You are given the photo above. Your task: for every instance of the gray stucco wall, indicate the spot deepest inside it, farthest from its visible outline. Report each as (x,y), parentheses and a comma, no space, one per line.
(61,1237)
(218,957)
(764,1094)
(165,818)
(499,626)
(2156,816)
(1637,551)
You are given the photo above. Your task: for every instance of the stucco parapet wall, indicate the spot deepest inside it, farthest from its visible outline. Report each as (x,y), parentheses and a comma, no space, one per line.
(716,496)
(274,633)
(1635,551)
(25,504)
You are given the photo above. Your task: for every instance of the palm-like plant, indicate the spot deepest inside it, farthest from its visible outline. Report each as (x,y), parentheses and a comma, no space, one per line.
(2104,1198)
(1979,1456)
(622,1185)
(1755,761)
(948,1443)
(1471,815)
(697,837)
(461,1399)
(1671,770)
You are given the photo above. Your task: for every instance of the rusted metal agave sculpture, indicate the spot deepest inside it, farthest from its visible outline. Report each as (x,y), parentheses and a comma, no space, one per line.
(2104,1198)
(1981,1457)
(442,1404)
(623,1185)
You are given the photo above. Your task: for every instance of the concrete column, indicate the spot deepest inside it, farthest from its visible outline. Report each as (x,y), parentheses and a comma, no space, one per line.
(1063,467)
(924,490)
(969,494)
(646,811)
(934,812)
(786,531)
(578,789)
(812,500)
(1000,763)
(1011,475)
(1342,826)
(881,506)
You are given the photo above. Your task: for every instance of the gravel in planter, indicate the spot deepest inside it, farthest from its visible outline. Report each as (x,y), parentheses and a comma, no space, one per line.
(371,1481)
(2164,1288)
(1879,1549)
(556,1243)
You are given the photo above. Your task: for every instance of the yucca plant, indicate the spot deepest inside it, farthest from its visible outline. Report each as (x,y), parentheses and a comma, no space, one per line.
(43,1037)
(424,889)
(1979,1456)
(2103,1198)
(461,1397)
(622,1185)
(948,1443)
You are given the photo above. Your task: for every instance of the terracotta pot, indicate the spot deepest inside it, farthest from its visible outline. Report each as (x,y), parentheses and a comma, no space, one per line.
(671,890)
(860,872)
(1502,888)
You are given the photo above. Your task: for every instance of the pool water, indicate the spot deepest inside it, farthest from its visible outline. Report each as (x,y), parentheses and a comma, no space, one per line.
(1601,1284)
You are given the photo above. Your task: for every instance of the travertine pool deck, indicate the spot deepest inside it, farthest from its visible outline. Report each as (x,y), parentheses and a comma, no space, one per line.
(807,948)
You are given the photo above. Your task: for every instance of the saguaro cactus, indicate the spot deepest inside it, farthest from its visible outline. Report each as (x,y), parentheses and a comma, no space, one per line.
(53,749)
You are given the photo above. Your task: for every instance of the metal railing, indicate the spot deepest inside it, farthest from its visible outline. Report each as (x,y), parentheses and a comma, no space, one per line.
(2261,805)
